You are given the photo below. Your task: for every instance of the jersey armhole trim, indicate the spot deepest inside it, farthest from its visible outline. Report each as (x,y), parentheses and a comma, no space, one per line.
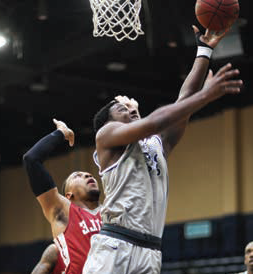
(102,172)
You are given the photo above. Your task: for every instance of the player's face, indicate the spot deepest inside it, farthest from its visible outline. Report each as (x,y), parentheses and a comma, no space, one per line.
(81,184)
(124,113)
(248,258)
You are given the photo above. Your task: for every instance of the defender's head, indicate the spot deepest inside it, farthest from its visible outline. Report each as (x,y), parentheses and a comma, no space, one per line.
(248,256)
(81,186)
(121,109)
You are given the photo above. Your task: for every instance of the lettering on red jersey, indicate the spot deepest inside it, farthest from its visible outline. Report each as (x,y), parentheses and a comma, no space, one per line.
(74,242)
(95,226)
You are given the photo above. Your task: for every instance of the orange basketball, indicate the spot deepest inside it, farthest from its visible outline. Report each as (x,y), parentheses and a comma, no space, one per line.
(217,14)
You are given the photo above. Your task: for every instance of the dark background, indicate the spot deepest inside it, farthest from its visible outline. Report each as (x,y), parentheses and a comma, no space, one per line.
(56,68)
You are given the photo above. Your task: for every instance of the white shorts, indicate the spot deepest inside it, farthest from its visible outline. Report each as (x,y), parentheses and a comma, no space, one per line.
(113,256)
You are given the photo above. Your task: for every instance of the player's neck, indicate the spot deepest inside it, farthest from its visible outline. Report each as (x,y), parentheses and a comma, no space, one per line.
(87,204)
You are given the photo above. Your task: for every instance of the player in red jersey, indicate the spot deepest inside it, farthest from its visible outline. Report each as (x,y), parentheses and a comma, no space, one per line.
(50,262)
(73,218)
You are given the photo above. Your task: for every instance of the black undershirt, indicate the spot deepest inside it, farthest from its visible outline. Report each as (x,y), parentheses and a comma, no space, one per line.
(40,179)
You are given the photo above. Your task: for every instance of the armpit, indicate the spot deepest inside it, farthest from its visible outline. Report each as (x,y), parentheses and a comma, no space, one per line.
(60,216)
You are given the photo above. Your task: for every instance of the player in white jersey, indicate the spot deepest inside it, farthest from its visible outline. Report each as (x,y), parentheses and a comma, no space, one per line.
(248,258)
(132,156)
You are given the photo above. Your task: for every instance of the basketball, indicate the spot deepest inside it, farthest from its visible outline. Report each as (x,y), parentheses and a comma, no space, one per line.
(217,14)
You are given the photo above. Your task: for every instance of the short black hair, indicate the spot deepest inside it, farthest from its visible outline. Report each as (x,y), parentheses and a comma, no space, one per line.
(102,116)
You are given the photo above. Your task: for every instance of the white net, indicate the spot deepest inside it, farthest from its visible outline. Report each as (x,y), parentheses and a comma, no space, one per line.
(118,18)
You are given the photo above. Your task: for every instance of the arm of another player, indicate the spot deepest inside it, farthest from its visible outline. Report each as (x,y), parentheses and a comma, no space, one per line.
(194,81)
(47,261)
(41,182)
(116,134)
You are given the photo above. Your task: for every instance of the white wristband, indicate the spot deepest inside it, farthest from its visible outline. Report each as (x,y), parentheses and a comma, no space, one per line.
(204,52)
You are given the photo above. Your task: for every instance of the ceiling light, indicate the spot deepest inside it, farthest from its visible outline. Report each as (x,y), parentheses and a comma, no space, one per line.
(116,66)
(42,10)
(40,84)
(3,41)
(172,44)
(38,87)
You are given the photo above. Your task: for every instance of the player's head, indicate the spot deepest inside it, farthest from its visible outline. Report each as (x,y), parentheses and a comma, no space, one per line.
(248,256)
(81,186)
(121,109)
(102,116)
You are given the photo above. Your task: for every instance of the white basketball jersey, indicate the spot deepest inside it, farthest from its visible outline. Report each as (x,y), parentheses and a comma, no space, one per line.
(136,188)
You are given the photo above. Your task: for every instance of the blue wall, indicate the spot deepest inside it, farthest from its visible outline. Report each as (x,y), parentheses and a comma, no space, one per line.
(229,236)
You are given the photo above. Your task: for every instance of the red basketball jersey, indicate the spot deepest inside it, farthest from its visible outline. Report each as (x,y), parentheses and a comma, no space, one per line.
(74,243)
(59,266)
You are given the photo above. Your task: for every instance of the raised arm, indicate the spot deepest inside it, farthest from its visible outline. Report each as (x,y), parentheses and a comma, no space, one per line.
(196,77)
(47,261)
(193,82)
(116,134)
(41,182)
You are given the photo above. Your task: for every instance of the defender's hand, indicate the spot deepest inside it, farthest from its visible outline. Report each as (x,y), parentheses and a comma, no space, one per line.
(68,133)
(126,101)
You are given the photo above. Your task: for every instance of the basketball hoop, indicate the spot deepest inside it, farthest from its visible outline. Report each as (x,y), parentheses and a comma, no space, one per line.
(116,18)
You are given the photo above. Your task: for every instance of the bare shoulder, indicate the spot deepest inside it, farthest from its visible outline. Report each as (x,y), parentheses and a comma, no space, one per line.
(108,154)
(53,202)
(105,133)
(47,261)
(50,253)
(107,128)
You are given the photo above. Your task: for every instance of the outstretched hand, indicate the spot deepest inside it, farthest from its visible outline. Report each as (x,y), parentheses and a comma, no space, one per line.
(67,132)
(211,38)
(222,82)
